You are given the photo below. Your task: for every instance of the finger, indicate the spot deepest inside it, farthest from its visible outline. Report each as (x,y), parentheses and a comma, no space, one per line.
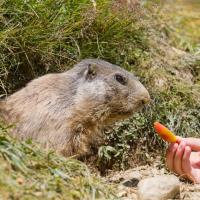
(178,158)
(179,139)
(193,143)
(195,159)
(186,164)
(170,156)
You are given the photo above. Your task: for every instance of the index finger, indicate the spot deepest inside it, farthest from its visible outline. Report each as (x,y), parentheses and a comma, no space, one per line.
(193,143)
(171,151)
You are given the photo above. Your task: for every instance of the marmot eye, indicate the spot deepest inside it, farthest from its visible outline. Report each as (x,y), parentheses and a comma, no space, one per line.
(121,79)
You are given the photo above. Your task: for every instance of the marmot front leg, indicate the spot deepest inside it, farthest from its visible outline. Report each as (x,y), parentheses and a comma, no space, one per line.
(76,146)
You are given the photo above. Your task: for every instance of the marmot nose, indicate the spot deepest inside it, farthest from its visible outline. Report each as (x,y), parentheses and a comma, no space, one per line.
(143,95)
(145,99)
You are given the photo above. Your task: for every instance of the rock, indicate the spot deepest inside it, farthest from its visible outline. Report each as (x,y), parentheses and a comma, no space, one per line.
(159,188)
(131,175)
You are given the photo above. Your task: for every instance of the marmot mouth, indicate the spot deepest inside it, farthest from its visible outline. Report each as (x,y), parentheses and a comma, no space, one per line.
(118,116)
(125,113)
(122,114)
(128,113)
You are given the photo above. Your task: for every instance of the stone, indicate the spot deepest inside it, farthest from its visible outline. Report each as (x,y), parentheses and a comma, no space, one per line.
(131,175)
(159,188)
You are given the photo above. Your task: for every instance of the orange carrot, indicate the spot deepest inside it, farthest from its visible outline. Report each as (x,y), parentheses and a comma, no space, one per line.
(164,132)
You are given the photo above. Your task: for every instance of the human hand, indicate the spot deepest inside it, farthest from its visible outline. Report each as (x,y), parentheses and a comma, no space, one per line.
(183,158)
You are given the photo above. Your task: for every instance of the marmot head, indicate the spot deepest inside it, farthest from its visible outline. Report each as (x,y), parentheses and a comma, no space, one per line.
(108,92)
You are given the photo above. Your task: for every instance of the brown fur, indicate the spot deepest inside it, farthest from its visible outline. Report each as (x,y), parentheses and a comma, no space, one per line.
(67,111)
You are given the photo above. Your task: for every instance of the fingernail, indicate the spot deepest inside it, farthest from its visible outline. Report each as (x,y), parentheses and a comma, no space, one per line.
(175,147)
(187,149)
(181,145)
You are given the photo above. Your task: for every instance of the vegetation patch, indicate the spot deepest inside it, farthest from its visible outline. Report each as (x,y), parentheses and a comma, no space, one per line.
(47,36)
(38,37)
(172,78)
(182,23)
(26,172)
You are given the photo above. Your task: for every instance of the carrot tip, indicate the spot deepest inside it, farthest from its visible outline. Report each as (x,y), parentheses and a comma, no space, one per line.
(164,133)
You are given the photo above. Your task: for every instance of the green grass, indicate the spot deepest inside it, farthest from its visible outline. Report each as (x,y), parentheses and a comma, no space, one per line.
(37,37)
(26,172)
(182,24)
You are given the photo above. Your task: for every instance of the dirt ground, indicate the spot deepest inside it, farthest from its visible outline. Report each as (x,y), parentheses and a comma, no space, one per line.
(128,180)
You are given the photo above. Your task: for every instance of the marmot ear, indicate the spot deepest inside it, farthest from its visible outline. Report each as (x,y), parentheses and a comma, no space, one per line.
(91,72)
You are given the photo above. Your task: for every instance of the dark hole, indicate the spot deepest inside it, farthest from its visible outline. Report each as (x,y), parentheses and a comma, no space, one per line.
(131,183)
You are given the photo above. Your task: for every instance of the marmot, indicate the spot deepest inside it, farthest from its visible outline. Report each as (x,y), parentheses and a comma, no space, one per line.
(67,111)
